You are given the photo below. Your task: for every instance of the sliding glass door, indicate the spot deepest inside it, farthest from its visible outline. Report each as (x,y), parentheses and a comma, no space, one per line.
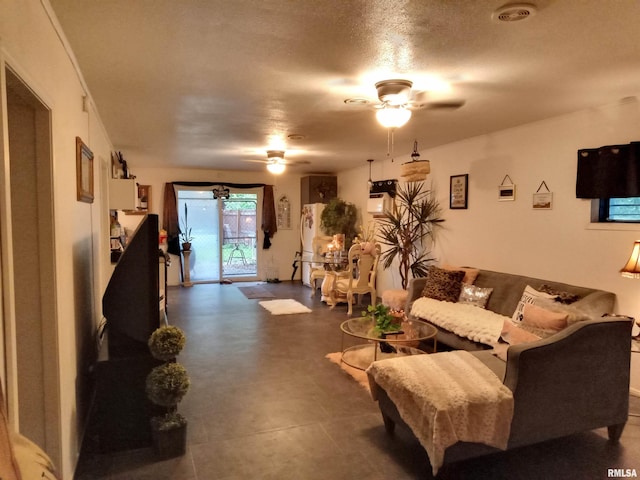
(224,232)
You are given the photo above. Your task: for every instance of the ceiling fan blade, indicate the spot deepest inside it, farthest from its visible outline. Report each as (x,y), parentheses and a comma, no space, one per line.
(438,105)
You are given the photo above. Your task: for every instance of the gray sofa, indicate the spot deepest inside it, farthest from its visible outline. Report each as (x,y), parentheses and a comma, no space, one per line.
(575,380)
(507,290)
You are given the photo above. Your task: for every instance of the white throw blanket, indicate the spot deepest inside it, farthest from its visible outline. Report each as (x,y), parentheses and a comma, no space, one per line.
(464,320)
(446,398)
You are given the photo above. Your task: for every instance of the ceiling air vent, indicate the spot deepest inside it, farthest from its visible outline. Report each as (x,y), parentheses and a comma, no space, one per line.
(514,12)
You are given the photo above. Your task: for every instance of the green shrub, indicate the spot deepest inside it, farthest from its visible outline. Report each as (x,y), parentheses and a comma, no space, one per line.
(167,384)
(166,343)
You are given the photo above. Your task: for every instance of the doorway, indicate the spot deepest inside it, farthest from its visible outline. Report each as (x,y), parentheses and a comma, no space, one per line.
(29,306)
(224,231)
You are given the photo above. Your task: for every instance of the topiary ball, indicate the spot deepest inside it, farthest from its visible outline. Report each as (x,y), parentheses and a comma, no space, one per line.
(167,384)
(166,343)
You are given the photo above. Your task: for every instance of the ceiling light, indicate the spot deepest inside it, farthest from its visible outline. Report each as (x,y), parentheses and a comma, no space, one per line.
(393,116)
(394,92)
(416,170)
(275,163)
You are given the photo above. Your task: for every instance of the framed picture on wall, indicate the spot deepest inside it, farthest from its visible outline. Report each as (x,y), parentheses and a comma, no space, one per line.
(543,201)
(84,172)
(506,193)
(458,191)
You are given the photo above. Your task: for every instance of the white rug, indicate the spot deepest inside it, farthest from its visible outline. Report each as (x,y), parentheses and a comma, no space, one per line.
(284,306)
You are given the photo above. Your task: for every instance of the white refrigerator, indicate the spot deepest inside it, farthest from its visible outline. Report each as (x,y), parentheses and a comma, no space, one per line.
(309,228)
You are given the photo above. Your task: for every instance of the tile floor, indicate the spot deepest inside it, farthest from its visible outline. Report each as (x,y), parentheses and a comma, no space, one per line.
(266,404)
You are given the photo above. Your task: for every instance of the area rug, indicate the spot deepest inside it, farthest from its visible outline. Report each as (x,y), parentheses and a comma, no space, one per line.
(358,375)
(284,306)
(256,291)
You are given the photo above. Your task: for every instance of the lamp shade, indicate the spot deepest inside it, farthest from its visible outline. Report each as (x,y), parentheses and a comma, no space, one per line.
(632,267)
(415,170)
(393,117)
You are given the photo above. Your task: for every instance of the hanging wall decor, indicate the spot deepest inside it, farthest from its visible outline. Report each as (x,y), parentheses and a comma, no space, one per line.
(543,200)
(84,172)
(458,190)
(506,190)
(284,213)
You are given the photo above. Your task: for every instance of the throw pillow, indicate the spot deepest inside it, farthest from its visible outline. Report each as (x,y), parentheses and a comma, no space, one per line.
(573,313)
(514,335)
(470,274)
(473,295)
(444,285)
(539,317)
(529,295)
(561,296)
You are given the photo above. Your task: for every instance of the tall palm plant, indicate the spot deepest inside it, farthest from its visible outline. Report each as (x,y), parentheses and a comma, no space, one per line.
(406,229)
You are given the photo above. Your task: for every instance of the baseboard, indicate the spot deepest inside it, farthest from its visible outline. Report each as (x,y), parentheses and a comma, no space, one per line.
(635,392)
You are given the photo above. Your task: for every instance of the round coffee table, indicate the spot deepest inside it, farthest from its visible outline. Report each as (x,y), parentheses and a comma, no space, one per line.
(394,344)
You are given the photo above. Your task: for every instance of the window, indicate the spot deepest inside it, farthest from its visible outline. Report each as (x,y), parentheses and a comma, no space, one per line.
(620,210)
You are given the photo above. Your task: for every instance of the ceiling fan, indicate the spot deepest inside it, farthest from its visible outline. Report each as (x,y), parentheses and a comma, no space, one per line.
(276,162)
(397,100)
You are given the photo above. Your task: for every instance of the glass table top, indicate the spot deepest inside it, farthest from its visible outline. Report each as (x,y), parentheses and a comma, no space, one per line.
(410,330)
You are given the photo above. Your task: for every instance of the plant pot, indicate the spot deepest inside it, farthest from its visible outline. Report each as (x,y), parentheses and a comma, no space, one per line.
(186,246)
(169,443)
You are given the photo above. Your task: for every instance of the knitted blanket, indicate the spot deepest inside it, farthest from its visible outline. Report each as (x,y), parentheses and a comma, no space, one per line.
(469,321)
(446,398)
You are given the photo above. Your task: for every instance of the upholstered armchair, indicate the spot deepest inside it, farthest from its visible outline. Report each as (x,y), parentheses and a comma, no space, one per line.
(359,279)
(317,270)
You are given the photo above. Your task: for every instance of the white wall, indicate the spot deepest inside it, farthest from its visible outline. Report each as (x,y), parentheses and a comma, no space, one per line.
(283,244)
(30,44)
(558,244)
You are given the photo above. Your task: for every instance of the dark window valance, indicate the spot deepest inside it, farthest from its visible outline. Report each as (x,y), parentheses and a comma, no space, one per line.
(612,171)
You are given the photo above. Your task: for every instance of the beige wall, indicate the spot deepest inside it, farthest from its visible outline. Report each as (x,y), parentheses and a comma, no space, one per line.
(558,244)
(30,44)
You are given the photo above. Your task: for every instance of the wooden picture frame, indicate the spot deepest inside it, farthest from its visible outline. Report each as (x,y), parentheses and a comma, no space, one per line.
(458,191)
(84,172)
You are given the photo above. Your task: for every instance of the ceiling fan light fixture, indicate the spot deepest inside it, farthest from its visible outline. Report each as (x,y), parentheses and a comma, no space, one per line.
(394,92)
(393,117)
(275,164)
(275,167)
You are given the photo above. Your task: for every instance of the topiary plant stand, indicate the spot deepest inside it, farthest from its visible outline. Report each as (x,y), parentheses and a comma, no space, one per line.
(169,443)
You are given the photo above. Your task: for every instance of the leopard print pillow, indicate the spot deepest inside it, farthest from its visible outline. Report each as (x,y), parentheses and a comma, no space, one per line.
(443,284)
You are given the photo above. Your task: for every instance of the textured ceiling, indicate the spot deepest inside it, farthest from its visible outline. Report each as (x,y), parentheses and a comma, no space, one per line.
(216,83)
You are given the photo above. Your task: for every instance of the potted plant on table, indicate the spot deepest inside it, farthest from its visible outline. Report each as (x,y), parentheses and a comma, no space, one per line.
(166,385)
(384,322)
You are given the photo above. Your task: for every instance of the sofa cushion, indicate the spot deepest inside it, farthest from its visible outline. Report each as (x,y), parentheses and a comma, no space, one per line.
(444,285)
(573,313)
(529,295)
(470,274)
(561,295)
(536,316)
(473,295)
